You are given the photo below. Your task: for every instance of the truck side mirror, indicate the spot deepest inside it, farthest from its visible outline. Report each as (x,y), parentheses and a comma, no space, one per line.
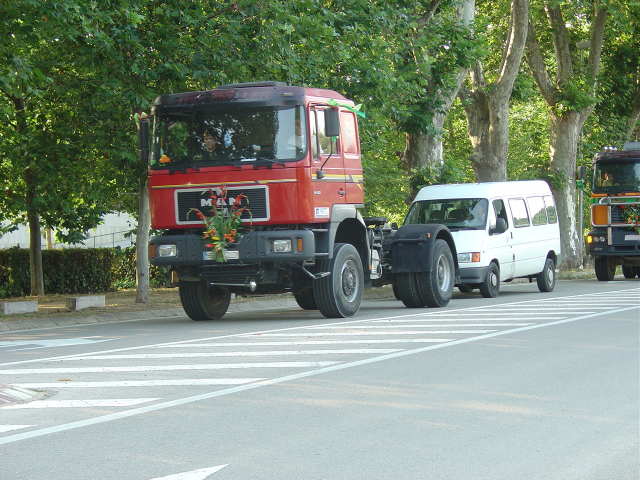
(501,226)
(580,172)
(143,140)
(332,122)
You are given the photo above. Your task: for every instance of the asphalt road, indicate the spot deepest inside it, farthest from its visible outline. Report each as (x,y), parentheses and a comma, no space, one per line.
(525,386)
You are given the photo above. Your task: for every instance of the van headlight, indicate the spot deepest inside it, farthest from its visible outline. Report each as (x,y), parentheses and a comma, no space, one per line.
(469,257)
(167,250)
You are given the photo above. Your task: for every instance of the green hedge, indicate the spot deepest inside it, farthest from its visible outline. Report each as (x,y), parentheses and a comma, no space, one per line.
(79,270)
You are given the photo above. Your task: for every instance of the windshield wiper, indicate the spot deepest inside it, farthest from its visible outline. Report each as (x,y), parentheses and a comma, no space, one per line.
(269,159)
(462,227)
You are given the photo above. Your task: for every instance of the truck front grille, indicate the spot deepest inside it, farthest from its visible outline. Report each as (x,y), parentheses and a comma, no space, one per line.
(198,198)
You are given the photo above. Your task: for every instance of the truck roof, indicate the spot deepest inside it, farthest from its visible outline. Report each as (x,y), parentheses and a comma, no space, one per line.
(484,190)
(254,93)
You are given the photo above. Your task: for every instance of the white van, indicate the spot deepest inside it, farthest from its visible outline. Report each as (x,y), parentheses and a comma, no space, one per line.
(502,231)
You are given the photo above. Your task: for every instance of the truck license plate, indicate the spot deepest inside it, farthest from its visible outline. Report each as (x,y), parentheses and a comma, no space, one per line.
(231,254)
(632,237)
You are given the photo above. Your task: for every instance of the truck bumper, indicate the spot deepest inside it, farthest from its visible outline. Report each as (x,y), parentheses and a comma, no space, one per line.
(254,247)
(621,243)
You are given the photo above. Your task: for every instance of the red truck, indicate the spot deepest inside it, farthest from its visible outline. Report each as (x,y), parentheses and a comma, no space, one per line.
(290,157)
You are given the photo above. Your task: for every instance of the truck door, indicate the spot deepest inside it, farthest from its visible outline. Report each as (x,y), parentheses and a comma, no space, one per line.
(327,166)
(350,146)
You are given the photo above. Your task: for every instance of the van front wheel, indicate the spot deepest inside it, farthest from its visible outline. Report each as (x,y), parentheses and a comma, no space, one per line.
(491,285)
(547,277)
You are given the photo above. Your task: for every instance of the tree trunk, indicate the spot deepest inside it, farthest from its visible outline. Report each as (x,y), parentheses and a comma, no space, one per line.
(35,242)
(488,128)
(142,242)
(565,132)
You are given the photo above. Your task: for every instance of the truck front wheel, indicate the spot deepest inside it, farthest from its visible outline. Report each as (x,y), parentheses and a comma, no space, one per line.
(339,294)
(203,302)
(629,271)
(605,269)
(305,298)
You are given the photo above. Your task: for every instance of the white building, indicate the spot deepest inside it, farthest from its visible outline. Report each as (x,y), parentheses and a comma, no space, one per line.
(116,230)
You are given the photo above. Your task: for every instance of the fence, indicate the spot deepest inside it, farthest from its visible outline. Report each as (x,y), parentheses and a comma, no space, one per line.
(121,239)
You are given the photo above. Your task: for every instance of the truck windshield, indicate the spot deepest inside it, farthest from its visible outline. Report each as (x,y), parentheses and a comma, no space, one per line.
(223,137)
(617,176)
(457,214)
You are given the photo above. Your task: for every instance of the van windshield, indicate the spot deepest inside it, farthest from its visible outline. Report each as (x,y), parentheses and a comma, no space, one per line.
(455,213)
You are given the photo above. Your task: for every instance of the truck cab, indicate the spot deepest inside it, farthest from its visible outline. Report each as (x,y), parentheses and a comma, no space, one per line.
(615,214)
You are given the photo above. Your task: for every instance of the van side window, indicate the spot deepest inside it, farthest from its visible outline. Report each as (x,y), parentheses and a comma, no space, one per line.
(538,210)
(501,212)
(519,212)
(318,138)
(551,209)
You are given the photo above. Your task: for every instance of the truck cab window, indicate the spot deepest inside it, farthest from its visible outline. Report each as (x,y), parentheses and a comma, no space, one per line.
(320,143)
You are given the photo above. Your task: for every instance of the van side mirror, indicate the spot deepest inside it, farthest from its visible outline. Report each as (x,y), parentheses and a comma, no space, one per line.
(501,226)
(332,122)
(143,140)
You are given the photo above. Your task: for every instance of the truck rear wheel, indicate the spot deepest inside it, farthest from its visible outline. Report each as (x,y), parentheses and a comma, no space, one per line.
(339,294)
(203,302)
(305,298)
(629,271)
(605,269)
(436,287)
(405,286)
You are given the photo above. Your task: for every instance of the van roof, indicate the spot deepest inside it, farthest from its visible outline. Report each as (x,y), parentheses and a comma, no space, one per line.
(484,190)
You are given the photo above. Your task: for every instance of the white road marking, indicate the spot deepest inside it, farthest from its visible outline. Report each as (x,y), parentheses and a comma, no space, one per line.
(553,311)
(142,383)
(364,332)
(10,428)
(263,353)
(287,378)
(107,402)
(309,342)
(610,297)
(509,315)
(50,343)
(466,319)
(199,474)
(341,327)
(162,368)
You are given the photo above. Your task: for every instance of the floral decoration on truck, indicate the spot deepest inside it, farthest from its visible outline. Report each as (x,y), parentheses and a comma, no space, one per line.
(223,221)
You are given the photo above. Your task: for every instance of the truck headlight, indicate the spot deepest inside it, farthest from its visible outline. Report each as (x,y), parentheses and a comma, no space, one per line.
(281,246)
(469,257)
(167,251)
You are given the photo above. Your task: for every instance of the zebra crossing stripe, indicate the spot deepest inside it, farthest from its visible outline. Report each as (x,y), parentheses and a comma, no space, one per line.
(263,353)
(143,383)
(344,327)
(10,428)
(364,332)
(161,368)
(106,402)
(308,342)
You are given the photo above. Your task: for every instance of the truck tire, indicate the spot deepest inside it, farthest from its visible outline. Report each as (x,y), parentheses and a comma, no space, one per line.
(305,299)
(546,279)
(406,288)
(339,294)
(436,287)
(605,269)
(491,285)
(203,302)
(629,271)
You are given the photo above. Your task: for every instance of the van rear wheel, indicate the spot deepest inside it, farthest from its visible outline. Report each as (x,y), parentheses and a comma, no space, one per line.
(546,279)
(491,285)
